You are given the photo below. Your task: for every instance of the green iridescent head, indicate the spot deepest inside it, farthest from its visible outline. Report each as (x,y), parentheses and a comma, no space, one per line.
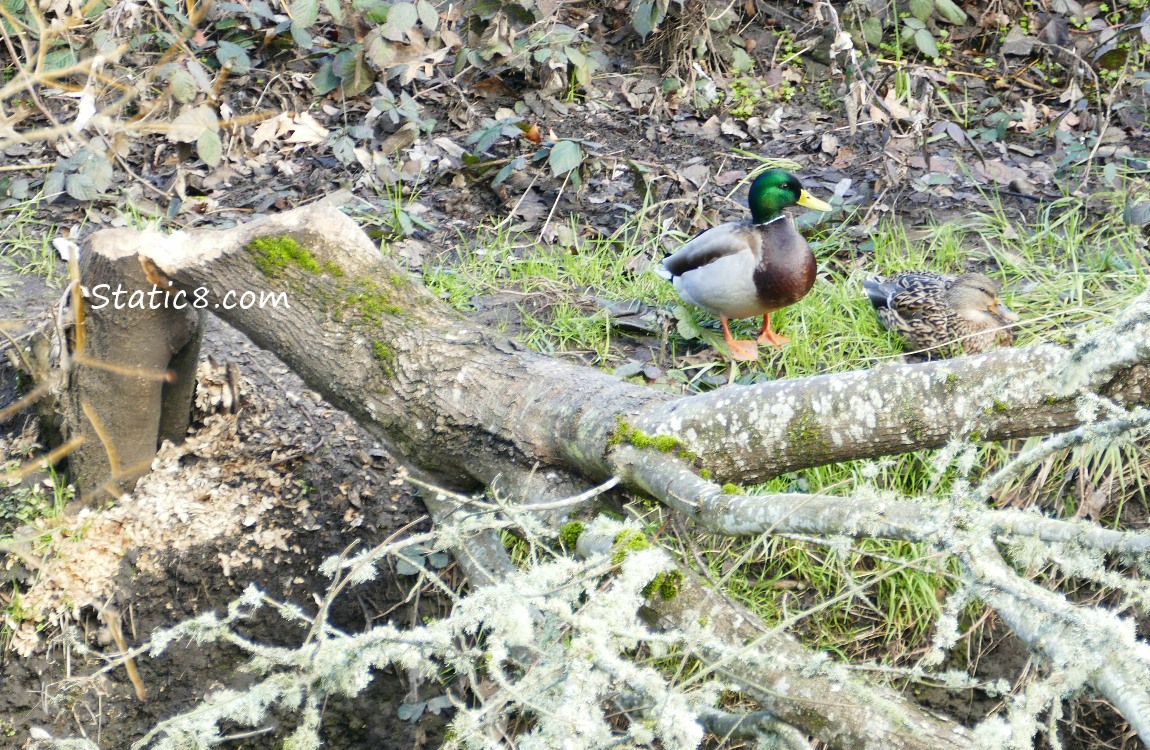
(776,189)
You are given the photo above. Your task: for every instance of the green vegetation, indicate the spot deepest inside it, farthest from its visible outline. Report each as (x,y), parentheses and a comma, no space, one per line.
(26,243)
(1070,266)
(877,599)
(626,542)
(874,598)
(1066,268)
(627,433)
(394,217)
(745,94)
(31,500)
(556,283)
(274,254)
(372,301)
(666,585)
(569,533)
(384,353)
(1072,263)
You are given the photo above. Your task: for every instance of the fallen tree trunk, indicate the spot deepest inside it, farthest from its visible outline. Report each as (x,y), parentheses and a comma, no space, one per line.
(468,408)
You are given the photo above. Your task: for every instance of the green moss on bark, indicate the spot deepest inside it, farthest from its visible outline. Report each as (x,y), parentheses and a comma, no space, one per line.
(274,254)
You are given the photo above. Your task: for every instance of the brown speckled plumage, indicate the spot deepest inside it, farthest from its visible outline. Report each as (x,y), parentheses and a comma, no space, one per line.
(941,316)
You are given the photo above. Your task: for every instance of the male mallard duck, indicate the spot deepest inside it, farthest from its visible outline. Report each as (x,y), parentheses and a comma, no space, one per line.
(742,269)
(938,315)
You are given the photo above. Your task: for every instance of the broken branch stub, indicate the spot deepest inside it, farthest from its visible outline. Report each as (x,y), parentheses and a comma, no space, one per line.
(129,385)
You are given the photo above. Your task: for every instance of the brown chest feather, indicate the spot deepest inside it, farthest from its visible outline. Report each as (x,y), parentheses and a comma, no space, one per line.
(786,270)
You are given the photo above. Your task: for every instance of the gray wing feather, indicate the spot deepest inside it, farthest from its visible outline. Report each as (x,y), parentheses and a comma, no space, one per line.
(715,243)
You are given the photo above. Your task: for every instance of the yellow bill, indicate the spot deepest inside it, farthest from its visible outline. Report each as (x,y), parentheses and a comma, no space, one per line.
(809,201)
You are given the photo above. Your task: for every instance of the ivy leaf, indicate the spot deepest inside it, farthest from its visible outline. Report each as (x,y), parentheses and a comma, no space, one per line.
(381,52)
(685,323)
(428,15)
(484,139)
(334,10)
(872,31)
(741,61)
(59,58)
(301,36)
(183,86)
(924,40)
(437,704)
(200,74)
(99,170)
(304,12)
(357,76)
(343,148)
(81,187)
(645,18)
(921,9)
(209,147)
(18,189)
(261,9)
(400,19)
(377,12)
(235,54)
(324,80)
(54,185)
(411,711)
(511,166)
(950,11)
(188,125)
(565,156)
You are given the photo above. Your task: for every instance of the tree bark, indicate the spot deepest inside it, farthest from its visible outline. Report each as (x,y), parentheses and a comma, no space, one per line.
(129,366)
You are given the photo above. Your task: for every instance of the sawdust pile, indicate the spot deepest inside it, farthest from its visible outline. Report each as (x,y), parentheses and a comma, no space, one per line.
(218,486)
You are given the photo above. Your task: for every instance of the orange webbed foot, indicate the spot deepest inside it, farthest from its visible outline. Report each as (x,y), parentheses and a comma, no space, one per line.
(767,336)
(741,351)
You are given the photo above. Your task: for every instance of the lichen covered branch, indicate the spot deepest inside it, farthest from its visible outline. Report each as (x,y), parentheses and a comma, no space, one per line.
(1090,645)
(756,432)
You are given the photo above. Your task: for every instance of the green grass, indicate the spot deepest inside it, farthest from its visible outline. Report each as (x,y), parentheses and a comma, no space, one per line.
(554,284)
(395,216)
(880,596)
(32,500)
(26,243)
(1064,270)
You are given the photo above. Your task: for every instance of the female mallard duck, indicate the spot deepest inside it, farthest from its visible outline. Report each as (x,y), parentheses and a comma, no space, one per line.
(939,316)
(742,269)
